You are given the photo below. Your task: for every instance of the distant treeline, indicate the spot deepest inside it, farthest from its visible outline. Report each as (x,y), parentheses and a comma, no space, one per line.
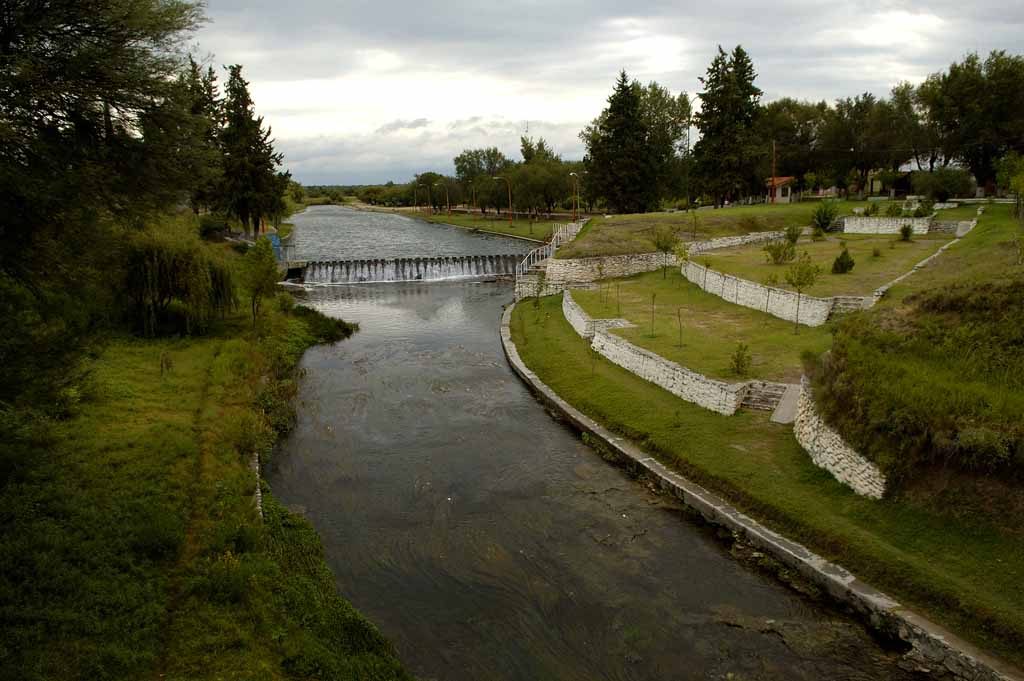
(960,129)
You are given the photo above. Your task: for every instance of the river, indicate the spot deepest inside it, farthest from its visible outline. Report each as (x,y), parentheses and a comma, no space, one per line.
(487,541)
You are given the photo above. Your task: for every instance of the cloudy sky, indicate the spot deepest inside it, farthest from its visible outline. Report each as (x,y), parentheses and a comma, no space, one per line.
(360,92)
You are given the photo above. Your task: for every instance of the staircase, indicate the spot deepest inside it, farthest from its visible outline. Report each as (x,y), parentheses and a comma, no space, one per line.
(846,304)
(763,396)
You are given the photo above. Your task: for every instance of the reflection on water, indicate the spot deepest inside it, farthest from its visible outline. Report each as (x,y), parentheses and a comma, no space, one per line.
(488,542)
(339,233)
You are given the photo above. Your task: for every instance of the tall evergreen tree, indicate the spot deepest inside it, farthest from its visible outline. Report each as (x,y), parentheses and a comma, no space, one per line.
(252,189)
(620,166)
(725,155)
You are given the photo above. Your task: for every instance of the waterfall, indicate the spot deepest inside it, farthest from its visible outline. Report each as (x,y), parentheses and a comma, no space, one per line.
(409,269)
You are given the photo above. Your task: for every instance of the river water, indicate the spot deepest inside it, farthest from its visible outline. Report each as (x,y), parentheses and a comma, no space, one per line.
(487,542)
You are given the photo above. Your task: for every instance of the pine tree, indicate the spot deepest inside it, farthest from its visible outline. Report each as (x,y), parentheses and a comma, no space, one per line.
(729,109)
(252,188)
(619,162)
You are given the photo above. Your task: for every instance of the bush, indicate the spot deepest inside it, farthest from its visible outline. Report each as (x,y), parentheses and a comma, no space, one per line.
(871,209)
(894,210)
(876,252)
(740,362)
(843,263)
(906,232)
(824,215)
(213,226)
(751,223)
(942,184)
(780,252)
(793,233)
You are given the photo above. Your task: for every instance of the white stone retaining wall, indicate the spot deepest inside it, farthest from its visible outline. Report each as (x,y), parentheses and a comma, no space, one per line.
(777,302)
(828,450)
(883,225)
(585,270)
(718,396)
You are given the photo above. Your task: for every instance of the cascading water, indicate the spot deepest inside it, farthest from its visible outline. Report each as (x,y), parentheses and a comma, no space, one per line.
(409,269)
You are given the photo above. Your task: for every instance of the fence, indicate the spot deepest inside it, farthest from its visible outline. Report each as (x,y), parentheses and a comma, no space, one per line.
(561,234)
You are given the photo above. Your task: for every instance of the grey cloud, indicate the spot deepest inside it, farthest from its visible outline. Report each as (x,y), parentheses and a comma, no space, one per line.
(798,47)
(398,124)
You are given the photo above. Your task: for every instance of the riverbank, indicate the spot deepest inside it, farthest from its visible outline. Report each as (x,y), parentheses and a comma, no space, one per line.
(940,568)
(133,547)
(537,231)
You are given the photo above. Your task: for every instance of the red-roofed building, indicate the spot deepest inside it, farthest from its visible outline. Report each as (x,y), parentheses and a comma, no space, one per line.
(780,189)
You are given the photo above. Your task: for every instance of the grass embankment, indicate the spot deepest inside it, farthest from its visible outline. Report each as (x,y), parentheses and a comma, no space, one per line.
(964,573)
(131,546)
(930,383)
(966,211)
(530,229)
(870,271)
(622,234)
(712,328)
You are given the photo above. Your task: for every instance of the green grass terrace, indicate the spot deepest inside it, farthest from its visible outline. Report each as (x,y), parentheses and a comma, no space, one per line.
(538,230)
(894,257)
(711,328)
(623,234)
(963,572)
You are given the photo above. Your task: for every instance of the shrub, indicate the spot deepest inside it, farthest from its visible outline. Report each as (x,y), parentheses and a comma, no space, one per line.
(876,252)
(751,223)
(740,362)
(824,215)
(213,225)
(943,183)
(906,232)
(894,210)
(817,234)
(793,233)
(871,209)
(780,252)
(843,263)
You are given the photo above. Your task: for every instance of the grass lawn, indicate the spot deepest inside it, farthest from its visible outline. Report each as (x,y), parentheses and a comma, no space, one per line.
(538,230)
(712,328)
(964,212)
(131,546)
(963,574)
(620,234)
(895,258)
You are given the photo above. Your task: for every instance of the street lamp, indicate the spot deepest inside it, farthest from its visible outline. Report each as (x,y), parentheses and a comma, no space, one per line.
(576,205)
(472,189)
(509,197)
(446,201)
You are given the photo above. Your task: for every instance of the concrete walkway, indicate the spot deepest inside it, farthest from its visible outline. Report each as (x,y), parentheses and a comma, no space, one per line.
(785,412)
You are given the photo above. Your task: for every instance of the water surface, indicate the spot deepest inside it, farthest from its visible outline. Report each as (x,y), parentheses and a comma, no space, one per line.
(488,542)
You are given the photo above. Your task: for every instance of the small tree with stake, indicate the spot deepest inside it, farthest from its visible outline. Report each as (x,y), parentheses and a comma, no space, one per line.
(664,242)
(801,275)
(682,252)
(260,275)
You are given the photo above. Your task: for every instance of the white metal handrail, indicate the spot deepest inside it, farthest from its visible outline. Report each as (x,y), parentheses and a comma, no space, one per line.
(560,235)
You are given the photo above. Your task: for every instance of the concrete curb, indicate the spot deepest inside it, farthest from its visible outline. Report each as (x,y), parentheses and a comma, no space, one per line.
(933,648)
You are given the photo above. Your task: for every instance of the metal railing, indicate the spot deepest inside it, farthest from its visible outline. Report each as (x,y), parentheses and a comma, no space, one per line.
(560,235)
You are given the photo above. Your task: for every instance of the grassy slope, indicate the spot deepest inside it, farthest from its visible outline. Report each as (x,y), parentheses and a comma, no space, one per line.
(539,230)
(712,328)
(906,381)
(941,566)
(619,234)
(895,258)
(132,548)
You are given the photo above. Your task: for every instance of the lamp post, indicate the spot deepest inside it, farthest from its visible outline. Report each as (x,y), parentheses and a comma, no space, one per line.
(447,203)
(576,204)
(472,189)
(509,197)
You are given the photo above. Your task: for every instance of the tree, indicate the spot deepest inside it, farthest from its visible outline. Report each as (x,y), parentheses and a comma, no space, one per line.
(619,167)
(942,183)
(82,89)
(260,275)
(665,242)
(729,109)
(801,275)
(252,187)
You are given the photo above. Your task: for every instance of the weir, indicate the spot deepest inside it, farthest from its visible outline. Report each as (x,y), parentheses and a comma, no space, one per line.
(409,269)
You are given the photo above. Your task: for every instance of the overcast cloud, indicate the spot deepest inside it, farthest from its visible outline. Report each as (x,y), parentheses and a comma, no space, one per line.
(361,92)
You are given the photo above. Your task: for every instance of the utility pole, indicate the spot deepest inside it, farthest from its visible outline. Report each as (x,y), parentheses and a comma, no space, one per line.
(773,171)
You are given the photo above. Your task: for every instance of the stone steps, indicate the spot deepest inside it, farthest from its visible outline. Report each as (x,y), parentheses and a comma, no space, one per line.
(763,396)
(845,305)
